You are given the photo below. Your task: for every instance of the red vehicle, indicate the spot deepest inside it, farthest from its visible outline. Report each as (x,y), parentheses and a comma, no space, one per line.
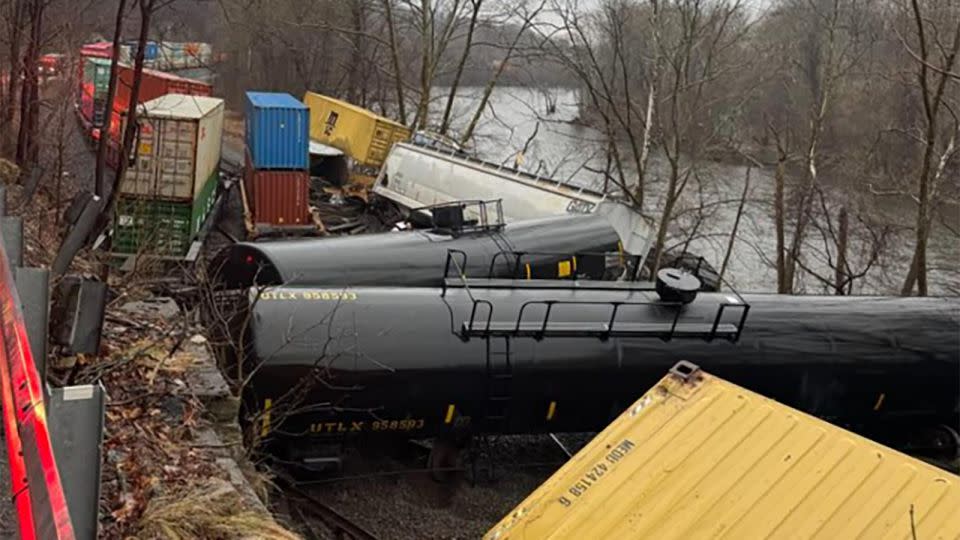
(51,64)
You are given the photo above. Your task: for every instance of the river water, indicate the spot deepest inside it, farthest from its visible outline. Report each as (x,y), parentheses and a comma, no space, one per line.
(517,118)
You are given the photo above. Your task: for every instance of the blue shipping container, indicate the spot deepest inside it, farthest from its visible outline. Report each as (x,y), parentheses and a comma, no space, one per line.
(277,131)
(150,51)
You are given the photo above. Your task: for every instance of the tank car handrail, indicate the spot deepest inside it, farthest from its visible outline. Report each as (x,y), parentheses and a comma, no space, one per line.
(615,308)
(743,318)
(473,314)
(461,272)
(707,331)
(481,204)
(574,274)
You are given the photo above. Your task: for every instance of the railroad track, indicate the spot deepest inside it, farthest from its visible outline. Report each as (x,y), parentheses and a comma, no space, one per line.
(306,506)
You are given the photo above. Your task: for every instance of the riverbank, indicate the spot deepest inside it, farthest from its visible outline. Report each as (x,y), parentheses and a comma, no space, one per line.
(560,145)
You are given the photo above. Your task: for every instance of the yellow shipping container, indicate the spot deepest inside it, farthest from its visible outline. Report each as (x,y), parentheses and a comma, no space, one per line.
(698,457)
(359,133)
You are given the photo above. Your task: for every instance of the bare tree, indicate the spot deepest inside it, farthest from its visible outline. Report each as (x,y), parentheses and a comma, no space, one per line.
(98,184)
(435,37)
(15,14)
(395,60)
(27,143)
(814,48)
(147,9)
(611,91)
(467,46)
(694,56)
(527,20)
(933,84)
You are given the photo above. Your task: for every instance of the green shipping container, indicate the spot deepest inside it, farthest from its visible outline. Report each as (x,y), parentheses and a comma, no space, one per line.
(96,73)
(93,89)
(161,228)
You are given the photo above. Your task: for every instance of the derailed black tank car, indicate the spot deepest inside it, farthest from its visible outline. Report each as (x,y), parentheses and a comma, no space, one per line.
(422,362)
(412,258)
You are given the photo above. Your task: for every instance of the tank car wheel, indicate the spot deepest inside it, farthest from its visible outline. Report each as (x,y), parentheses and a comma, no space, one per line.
(940,443)
(948,439)
(444,460)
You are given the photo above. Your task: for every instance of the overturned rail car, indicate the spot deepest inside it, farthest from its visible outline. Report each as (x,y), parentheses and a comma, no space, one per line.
(554,247)
(416,175)
(505,356)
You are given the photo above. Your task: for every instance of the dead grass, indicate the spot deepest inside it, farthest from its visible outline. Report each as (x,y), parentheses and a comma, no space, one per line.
(9,172)
(213,510)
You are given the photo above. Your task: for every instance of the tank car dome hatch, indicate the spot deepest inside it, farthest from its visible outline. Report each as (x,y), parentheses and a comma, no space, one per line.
(675,285)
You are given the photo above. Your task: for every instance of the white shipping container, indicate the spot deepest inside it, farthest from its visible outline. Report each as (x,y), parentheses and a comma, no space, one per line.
(178,147)
(197,54)
(205,55)
(170,55)
(180,55)
(127,56)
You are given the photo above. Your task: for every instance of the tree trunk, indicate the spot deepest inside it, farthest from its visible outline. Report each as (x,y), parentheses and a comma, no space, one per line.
(932,100)
(736,226)
(10,104)
(448,109)
(840,276)
(426,62)
(98,182)
(496,76)
(36,35)
(917,273)
(645,144)
(667,214)
(783,286)
(355,79)
(806,195)
(395,59)
(29,92)
(146,10)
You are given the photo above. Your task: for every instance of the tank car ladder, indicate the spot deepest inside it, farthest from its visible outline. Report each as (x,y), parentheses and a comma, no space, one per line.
(498,383)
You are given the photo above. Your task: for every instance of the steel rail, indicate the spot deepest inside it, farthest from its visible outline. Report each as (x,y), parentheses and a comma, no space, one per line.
(341,526)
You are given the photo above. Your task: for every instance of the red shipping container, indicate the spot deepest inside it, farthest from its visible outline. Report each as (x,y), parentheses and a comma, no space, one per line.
(100,49)
(86,103)
(153,85)
(277,197)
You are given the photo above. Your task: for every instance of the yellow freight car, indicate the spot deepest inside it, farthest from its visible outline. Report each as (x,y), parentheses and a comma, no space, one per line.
(360,134)
(698,457)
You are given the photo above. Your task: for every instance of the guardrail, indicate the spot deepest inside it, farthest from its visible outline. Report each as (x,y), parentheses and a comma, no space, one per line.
(38,494)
